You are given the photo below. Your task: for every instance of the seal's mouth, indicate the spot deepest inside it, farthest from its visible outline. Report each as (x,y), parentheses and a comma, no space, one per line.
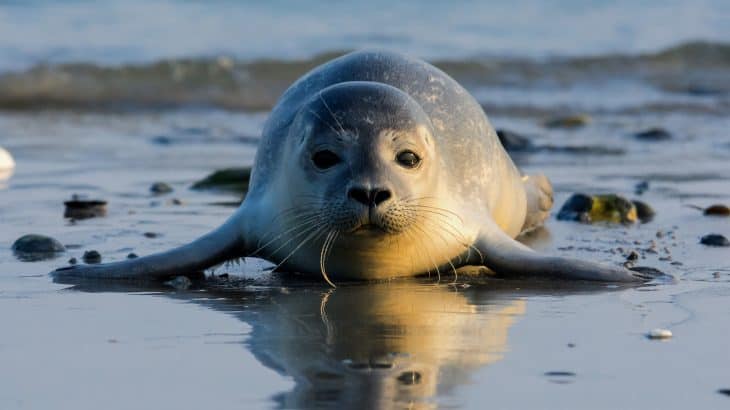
(368,228)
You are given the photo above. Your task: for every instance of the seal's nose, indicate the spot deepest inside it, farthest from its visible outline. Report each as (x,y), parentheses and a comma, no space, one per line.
(369,197)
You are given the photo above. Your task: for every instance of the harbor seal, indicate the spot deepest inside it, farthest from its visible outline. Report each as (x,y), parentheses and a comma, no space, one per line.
(372,166)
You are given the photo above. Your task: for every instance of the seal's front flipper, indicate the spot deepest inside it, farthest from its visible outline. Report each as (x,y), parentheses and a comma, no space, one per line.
(222,244)
(508,257)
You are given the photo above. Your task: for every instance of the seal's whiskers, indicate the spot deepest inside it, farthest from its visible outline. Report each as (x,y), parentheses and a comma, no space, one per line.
(326,249)
(317,232)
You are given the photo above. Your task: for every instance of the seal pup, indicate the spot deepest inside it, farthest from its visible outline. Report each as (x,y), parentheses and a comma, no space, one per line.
(372,166)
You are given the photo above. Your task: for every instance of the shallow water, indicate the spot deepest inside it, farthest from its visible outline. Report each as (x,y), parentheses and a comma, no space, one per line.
(264,340)
(273,341)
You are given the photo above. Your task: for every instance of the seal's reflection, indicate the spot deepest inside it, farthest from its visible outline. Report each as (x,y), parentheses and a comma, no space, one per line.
(365,346)
(372,345)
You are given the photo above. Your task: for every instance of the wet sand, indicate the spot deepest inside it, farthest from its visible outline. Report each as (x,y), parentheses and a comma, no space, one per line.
(269,340)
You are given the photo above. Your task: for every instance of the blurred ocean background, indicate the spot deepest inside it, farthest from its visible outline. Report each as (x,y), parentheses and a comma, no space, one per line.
(243,54)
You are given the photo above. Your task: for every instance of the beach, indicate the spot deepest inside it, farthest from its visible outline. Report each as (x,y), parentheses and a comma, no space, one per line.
(106,110)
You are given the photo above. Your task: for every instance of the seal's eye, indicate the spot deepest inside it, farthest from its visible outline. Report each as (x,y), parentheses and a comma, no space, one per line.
(408,159)
(325,159)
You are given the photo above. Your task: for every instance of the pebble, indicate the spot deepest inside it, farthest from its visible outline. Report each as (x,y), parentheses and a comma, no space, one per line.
(644,212)
(32,247)
(561,377)
(409,378)
(229,179)
(160,188)
(73,261)
(132,256)
(151,235)
(715,239)
(78,208)
(576,208)
(176,201)
(717,210)
(568,121)
(633,255)
(512,141)
(641,187)
(92,257)
(659,334)
(653,134)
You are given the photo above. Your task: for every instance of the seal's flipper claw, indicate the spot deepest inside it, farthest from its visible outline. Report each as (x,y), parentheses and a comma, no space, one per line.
(647,273)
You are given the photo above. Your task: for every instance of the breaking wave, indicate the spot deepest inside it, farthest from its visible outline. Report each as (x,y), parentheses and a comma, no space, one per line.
(696,68)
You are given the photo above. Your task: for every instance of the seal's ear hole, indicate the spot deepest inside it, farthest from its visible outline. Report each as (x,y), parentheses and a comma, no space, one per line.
(325,159)
(408,159)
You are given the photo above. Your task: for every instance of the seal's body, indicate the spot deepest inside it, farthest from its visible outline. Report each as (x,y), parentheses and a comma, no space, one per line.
(374,166)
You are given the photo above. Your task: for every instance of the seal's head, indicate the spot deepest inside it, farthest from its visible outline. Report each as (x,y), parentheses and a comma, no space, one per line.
(366,156)
(363,167)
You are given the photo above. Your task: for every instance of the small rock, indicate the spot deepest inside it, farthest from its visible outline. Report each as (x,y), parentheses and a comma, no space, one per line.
(512,141)
(569,121)
(132,256)
(576,208)
(160,188)
(162,140)
(78,208)
(717,210)
(714,239)
(72,261)
(605,208)
(659,334)
(561,377)
(653,134)
(32,247)
(91,257)
(176,201)
(644,212)
(231,179)
(409,378)
(641,187)
(180,283)
(151,235)
(632,256)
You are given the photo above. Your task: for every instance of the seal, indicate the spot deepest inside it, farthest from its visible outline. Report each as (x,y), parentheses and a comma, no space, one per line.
(371,166)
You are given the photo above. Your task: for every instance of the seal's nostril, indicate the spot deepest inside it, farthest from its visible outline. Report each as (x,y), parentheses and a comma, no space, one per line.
(379,196)
(360,195)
